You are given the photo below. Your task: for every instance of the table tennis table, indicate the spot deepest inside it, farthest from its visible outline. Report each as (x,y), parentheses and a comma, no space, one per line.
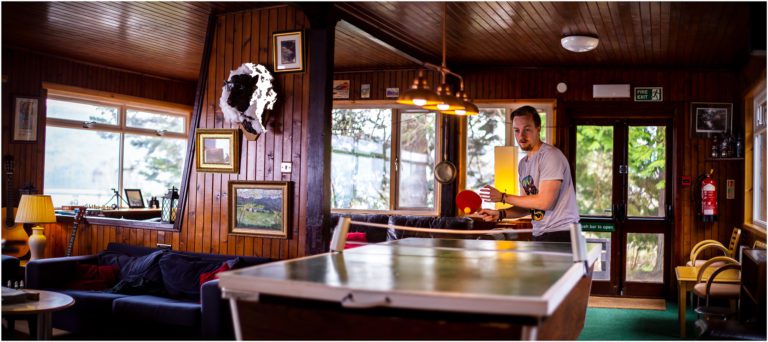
(416,289)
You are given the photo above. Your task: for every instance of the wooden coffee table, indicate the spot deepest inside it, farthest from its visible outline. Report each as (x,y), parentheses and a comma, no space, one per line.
(48,303)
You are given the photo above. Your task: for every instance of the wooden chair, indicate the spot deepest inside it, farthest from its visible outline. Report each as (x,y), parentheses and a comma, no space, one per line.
(711,289)
(714,244)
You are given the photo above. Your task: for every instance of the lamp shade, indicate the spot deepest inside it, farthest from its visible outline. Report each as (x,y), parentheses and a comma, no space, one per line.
(419,94)
(448,102)
(469,107)
(35,209)
(579,43)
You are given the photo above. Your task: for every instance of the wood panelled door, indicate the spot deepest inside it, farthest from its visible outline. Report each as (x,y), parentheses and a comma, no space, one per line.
(622,172)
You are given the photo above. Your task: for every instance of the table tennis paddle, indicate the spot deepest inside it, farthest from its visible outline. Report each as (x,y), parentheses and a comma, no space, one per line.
(468,201)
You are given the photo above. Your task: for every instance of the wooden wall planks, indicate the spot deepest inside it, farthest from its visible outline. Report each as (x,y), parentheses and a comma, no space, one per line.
(680,88)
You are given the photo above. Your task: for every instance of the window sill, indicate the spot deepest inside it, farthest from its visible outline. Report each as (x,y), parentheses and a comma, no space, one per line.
(106,221)
(755,229)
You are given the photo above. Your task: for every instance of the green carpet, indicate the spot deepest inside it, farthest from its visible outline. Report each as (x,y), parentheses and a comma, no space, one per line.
(628,324)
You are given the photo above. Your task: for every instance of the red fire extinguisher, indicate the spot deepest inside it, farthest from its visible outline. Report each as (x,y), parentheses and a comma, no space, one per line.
(707,204)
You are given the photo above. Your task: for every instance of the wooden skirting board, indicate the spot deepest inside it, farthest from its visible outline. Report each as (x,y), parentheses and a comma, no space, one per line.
(627,303)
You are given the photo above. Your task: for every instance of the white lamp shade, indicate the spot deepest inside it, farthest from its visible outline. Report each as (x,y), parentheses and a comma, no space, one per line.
(35,209)
(579,43)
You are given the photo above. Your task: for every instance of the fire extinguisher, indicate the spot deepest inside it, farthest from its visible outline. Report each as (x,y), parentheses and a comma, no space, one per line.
(706,205)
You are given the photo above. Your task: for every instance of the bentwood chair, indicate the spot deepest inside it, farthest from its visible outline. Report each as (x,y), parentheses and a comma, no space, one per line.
(716,245)
(710,289)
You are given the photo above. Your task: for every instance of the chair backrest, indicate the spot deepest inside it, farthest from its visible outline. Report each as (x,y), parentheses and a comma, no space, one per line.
(735,235)
(703,268)
(758,244)
(715,273)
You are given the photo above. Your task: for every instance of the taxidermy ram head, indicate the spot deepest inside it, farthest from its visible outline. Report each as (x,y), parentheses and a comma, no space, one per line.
(245,96)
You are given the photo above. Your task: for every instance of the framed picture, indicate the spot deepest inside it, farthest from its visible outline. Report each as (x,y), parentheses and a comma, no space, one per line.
(340,89)
(710,118)
(134,198)
(218,150)
(393,92)
(365,91)
(25,119)
(288,51)
(260,208)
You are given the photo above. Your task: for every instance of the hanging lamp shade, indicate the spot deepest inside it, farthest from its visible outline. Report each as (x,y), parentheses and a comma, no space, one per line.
(469,107)
(448,102)
(419,94)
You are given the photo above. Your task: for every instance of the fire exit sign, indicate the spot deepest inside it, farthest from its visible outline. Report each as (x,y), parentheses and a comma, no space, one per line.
(649,94)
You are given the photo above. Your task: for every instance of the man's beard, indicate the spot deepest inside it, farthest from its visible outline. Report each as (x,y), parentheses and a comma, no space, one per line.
(526,148)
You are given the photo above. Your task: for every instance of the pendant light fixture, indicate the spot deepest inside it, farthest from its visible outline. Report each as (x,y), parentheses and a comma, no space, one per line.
(444,100)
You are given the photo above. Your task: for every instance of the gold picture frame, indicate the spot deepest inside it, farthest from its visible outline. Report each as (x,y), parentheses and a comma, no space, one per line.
(217,150)
(288,51)
(260,208)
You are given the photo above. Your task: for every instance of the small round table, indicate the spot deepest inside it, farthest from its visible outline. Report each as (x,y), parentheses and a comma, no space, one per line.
(48,303)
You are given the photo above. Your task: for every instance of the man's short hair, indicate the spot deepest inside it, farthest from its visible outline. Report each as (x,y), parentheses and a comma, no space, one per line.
(525,111)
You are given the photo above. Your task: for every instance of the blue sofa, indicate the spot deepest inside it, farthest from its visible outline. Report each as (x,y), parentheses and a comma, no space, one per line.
(380,235)
(138,312)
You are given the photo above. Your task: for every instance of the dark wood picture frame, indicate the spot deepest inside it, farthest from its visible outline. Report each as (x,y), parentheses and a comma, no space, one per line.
(134,198)
(709,118)
(288,51)
(218,150)
(260,208)
(25,118)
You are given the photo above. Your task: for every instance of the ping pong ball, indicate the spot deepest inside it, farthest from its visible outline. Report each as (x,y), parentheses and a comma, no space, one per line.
(467,210)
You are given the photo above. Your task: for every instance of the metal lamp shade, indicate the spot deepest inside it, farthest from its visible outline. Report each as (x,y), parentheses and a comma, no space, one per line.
(448,101)
(35,209)
(419,94)
(469,107)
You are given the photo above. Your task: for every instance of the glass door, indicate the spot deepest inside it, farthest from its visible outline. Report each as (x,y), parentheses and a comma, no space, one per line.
(621,172)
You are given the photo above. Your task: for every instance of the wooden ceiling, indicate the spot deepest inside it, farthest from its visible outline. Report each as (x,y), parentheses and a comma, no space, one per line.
(166,38)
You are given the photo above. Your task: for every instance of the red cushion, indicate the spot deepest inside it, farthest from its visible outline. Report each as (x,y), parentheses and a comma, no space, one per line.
(356,237)
(208,276)
(93,277)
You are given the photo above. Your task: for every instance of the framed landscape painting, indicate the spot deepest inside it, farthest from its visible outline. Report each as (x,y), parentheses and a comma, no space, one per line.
(260,208)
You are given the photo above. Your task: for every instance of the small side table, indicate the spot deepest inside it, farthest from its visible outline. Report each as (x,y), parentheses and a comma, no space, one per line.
(48,303)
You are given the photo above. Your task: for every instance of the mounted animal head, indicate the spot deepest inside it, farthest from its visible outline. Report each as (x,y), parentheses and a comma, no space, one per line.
(246,95)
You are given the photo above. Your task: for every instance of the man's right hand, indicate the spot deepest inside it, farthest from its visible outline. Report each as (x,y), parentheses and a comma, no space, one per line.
(488,215)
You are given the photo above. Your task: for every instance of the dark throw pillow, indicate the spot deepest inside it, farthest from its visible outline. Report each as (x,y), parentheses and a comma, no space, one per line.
(141,275)
(93,277)
(181,274)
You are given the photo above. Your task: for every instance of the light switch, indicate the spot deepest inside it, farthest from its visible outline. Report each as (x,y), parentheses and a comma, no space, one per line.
(285,167)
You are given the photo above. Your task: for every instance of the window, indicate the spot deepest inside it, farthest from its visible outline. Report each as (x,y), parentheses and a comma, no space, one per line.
(382,159)
(490,129)
(95,146)
(759,161)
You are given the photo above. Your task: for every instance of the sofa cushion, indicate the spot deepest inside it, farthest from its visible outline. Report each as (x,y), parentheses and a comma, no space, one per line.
(92,311)
(181,274)
(158,309)
(141,275)
(93,277)
(373,234)
(355,237)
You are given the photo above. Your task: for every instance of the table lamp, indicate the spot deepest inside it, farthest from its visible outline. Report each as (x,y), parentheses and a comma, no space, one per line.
(36,209)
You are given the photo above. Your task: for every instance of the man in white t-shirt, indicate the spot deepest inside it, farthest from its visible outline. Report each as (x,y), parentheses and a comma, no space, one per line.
(545,176)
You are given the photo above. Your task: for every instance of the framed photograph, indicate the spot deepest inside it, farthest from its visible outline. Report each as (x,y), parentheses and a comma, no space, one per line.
(710,118)
(393,92)
(25,119)
(218,150)
(260,208)
(340,89)
(365,91)
(134,198)
(288,51)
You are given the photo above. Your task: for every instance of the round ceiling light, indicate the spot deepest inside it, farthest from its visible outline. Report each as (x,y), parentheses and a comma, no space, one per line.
(579,43)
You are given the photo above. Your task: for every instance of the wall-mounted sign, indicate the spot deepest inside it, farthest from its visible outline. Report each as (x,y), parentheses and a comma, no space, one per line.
(649,94)
(598,227)
(730,192)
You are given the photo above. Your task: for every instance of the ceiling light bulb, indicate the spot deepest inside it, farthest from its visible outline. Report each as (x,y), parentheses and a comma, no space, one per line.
(461,112)
(443,106)
(419,102)
(579,43)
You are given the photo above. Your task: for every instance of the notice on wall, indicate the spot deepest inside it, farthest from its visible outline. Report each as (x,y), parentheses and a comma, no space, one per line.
(649,94)
(730,189)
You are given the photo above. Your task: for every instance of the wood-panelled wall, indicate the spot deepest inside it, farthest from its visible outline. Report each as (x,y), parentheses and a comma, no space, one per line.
(23,75)
(681,87)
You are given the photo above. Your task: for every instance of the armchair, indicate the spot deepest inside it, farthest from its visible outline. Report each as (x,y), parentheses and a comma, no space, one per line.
(714,244)
(711,289)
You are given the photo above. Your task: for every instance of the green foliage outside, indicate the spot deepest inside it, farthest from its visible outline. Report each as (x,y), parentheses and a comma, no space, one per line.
(484,132)
(594,165)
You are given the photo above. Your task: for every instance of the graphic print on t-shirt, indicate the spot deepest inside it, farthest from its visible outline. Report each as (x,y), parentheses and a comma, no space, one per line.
(530,189)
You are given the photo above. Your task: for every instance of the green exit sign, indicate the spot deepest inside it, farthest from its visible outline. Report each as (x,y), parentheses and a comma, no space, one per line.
(649,94)
(598,227)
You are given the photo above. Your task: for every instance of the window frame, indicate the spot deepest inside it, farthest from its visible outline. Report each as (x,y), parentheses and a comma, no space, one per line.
(397,110)
(751,168)
(123,103)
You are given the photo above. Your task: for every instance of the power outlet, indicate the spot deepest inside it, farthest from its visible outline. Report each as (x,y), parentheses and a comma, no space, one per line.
(285,167)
